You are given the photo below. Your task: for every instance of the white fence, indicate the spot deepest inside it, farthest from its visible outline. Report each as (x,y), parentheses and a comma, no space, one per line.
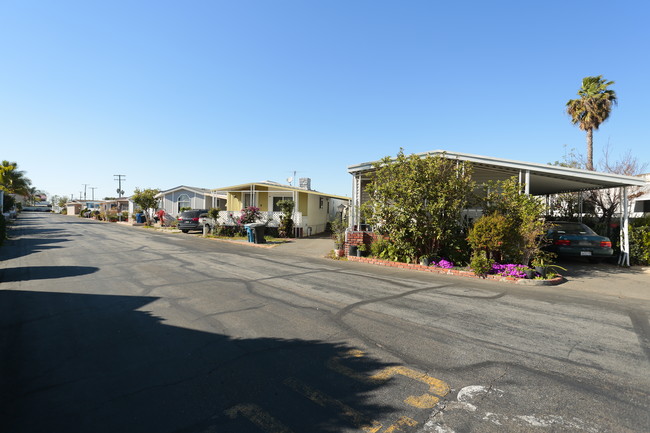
(229,218)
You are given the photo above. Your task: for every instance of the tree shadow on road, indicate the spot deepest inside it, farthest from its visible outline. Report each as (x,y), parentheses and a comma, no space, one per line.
(97,363)
(28,273)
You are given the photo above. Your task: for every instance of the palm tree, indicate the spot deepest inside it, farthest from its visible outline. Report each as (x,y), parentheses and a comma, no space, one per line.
(592,109)
(13,180)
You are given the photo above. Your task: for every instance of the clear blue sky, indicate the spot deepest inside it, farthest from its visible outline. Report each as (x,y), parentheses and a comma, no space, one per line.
(218,93)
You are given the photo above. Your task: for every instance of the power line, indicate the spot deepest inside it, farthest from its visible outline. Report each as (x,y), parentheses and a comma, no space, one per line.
(119,178)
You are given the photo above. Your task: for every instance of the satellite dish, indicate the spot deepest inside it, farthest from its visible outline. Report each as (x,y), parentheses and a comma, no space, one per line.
(290,180)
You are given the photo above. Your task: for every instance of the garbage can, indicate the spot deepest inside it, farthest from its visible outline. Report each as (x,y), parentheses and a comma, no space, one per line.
(250,232)
(139,218)
(255,232)
(259,233)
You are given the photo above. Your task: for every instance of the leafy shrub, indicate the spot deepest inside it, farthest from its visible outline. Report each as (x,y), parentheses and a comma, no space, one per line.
(249,215)
(228,231)
(286,222)
(639,245)
(457,249)
(338,228)
(524,224)
(417,202)
(9,203)
(491,234)
(480,264)
(213,213)
(3,229)
(387,250)
(378,247)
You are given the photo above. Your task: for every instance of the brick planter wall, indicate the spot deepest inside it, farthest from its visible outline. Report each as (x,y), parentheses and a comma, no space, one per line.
(356,238)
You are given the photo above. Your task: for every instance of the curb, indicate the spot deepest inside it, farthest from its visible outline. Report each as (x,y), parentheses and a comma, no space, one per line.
(468,274)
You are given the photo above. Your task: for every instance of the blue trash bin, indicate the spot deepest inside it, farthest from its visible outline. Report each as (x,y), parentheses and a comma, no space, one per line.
(250,231)
(139,218)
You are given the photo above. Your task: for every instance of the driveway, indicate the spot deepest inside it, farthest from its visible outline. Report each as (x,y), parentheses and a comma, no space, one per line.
(607,279)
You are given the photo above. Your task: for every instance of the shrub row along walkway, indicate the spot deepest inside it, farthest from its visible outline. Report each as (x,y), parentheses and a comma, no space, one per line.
(459,272)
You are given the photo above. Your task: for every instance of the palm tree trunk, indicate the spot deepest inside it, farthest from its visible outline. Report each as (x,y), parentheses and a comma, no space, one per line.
(590,149)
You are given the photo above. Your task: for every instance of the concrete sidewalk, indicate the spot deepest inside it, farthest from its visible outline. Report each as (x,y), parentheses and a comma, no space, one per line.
(313,246)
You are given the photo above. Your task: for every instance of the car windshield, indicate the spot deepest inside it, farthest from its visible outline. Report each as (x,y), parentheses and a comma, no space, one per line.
(190,214)
(572,229)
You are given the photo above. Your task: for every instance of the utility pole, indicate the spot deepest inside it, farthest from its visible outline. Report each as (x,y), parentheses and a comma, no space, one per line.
(85,186)
(93,188)
(119,178)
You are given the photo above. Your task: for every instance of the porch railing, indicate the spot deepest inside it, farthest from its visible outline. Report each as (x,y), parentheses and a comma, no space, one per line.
(229,218)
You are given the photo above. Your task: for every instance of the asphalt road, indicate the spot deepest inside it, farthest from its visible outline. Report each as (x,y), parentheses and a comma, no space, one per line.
(108,328)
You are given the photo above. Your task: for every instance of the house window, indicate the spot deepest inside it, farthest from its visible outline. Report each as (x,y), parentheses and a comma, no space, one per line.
(276,208)
(249,199)
(320,203)
(184,201)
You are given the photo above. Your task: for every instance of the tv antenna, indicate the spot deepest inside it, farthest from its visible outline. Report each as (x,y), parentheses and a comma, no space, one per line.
(291,179)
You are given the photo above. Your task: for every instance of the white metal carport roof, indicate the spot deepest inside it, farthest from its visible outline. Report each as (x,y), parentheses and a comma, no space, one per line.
(541,179)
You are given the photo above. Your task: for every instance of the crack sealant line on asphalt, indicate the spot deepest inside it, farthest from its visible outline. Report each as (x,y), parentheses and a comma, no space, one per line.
(350,307)
(254,292)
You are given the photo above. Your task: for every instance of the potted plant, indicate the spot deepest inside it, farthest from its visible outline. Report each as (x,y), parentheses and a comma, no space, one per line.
(543,261)
(338,235)
(361,250)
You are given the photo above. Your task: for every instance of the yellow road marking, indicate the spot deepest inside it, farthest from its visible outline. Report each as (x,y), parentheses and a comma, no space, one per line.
(259,417)
(425,401)
(358,419)
(402,422)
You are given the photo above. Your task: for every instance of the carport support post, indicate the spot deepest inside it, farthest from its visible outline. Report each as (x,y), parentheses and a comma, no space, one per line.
(524,177)
(624,258)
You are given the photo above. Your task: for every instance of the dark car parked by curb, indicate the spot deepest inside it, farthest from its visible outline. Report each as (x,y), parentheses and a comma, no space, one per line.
(189,220)
(574,239)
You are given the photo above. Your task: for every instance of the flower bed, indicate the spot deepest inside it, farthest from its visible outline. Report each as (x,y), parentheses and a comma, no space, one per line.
(505,273)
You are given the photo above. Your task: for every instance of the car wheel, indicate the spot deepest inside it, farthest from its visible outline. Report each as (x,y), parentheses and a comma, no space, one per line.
(185,231)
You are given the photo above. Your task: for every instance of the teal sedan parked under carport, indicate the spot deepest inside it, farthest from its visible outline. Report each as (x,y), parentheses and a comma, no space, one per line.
(574,239)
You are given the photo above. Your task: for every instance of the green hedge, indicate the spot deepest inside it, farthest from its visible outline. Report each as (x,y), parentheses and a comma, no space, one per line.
(3,229)
(640,245)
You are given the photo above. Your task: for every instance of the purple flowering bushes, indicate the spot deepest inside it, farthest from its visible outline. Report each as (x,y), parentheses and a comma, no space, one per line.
(505,270)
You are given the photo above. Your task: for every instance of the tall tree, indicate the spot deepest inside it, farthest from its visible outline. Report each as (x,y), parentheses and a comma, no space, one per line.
(591,109)
(13,180)
(417,202)
(146,200)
